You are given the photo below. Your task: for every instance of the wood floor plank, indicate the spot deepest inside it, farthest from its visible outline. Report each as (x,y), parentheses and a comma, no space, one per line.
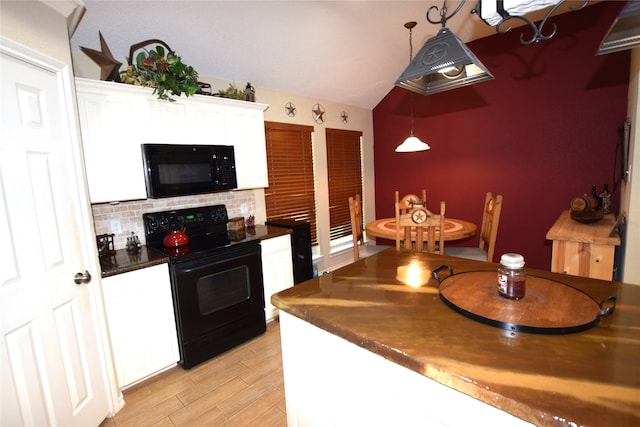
(255,391)
(273,418)
(263,353)
(145,416)
(213,417)
(253,414)
(164,422)
(262,369)
(215,379)
(172,387)
(192,412)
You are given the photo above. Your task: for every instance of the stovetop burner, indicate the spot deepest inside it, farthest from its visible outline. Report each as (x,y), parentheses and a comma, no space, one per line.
(206,227)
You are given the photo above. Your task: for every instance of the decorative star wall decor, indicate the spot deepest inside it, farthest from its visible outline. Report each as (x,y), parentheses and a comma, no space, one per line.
(344,117)
(290,108)
(109,67)
(318,113)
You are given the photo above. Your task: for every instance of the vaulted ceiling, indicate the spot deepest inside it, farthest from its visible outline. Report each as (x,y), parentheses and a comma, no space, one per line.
(349,52)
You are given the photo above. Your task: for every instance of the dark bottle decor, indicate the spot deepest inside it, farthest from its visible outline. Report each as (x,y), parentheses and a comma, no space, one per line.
(605,196)
(234,92)
(594,193)
(250,93)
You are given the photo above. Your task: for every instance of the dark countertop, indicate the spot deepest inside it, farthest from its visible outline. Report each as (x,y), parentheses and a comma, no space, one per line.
(264,232)
(590,378)
(123,261)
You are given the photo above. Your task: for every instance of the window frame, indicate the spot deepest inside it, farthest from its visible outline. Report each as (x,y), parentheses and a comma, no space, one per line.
(292,191)
(345,179)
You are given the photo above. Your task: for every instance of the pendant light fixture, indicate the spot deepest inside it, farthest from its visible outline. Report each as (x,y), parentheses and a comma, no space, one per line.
(412,143)
(497,12)
(444,62)
(624,32)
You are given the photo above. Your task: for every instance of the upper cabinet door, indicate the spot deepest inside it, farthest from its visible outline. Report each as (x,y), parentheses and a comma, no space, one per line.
(160,122)
(111,140)
(245,131)
(205,122)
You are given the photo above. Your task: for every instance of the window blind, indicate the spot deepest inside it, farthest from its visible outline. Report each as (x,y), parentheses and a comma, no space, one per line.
(344,172)
(291,191)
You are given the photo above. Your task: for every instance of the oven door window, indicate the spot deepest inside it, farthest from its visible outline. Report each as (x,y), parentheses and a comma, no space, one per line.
(224,289)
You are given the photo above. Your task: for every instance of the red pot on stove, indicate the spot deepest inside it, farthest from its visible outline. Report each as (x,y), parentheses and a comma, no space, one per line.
(176,238)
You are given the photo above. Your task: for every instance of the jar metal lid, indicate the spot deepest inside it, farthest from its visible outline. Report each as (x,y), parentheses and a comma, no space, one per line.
(512,260)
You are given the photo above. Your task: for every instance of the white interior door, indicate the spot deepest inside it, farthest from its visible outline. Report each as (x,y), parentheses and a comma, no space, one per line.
(52,368)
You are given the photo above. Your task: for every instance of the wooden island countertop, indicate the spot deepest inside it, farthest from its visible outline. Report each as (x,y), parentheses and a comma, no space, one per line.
(389,304)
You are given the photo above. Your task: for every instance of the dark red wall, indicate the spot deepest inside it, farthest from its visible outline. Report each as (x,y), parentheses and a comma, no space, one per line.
(541,133)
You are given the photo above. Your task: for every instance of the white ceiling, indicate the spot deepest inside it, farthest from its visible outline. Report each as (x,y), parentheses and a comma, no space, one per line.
(348,52)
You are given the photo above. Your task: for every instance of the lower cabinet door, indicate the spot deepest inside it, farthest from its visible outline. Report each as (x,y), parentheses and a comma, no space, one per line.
(141,322)
(277,270)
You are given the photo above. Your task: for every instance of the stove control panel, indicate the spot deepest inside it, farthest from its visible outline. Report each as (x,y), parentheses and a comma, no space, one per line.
(201,220)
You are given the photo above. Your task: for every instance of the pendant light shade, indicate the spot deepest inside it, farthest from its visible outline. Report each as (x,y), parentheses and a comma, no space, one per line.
(443,63)
(411,144)
(624,32)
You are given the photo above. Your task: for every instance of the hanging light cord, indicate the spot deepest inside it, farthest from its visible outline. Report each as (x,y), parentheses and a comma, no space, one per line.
(410,25)
(412,143)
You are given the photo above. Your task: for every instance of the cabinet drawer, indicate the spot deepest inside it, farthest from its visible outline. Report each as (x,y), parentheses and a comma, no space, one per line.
(275,244)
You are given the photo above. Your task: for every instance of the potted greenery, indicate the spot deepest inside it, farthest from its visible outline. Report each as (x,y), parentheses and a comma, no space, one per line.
(166,74)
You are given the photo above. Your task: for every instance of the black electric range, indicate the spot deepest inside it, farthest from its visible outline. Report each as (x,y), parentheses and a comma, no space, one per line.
(216,281)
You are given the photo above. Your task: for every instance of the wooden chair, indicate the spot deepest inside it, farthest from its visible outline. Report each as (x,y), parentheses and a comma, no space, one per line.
(417,228)
(407,201)
(357,230)
(488,233)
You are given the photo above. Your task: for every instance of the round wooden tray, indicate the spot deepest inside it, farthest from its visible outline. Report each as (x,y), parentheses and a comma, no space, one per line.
(548,307)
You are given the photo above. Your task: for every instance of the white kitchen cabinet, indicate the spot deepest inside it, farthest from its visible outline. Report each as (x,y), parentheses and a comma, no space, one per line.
(141,322)
(111,141)
(161,122)
(245,131)
(116,118)
(205,122)
(277,270)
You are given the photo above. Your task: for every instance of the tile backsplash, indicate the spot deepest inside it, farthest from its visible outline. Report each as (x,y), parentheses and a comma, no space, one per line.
(238,203)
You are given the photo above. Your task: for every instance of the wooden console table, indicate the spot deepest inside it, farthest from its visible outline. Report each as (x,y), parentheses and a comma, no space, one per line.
(583,249)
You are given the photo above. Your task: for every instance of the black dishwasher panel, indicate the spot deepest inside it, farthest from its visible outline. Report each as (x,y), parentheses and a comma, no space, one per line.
(300,247)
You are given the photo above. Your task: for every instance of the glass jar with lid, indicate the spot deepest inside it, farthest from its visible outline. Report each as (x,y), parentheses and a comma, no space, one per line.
(512,276)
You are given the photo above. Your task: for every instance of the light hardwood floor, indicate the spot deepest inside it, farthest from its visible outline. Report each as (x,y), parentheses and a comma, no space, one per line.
(242,387)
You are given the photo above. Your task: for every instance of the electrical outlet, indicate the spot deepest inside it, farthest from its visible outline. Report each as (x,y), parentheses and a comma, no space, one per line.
(116,227)
(243,209)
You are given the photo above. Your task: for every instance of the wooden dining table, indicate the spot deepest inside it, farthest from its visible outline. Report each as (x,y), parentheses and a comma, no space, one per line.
(454,229)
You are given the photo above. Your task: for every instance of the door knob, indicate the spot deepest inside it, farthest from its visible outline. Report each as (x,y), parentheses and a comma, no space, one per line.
(81,278)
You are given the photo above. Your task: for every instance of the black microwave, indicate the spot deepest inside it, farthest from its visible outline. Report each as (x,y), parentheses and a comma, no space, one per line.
(181,170)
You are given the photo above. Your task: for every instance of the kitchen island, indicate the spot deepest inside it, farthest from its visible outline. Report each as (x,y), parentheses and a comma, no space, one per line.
(374,344)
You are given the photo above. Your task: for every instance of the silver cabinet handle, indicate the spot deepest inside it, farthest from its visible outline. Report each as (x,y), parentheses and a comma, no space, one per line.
(81,278)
